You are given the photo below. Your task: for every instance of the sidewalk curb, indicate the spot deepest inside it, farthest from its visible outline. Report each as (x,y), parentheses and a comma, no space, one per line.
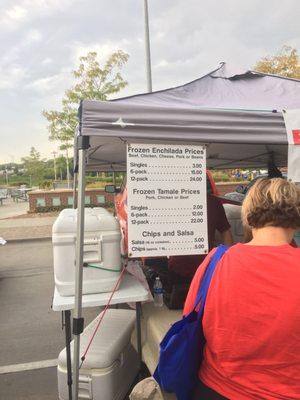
(37,239)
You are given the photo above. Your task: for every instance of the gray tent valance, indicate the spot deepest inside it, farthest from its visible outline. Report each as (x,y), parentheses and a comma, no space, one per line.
(217,110)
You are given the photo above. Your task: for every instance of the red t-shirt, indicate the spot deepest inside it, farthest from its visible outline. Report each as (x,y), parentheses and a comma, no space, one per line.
(252,323)
(186,266)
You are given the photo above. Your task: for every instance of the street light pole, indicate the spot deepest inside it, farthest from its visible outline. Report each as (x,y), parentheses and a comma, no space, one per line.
(68,171)
(6,176)
(54,160)
(147,48)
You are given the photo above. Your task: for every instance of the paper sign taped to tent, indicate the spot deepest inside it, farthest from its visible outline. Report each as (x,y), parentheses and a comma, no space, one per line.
(167,212)
(294,163)
(296,136)
(292,124)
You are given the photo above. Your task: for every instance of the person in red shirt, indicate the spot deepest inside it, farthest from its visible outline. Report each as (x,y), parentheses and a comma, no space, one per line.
(251,320)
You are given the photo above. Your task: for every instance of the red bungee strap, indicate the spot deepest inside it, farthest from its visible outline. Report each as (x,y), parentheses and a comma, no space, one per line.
(102,316)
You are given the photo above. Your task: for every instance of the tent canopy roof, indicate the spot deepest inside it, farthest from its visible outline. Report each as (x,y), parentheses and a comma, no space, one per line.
(228,88)
(236,113)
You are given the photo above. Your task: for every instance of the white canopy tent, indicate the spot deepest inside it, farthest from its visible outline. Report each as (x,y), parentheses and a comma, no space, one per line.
(238,115)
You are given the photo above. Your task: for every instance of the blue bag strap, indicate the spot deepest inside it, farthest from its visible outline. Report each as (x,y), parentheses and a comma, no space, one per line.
(205,281)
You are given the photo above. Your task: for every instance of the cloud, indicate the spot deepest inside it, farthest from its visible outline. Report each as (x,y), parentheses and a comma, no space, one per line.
(161,64)
(103,50)
(47,61)
(42,40)
(50,84)
(60,81)
(24,11)
(13,71)
(11,78)
(13,17)
(33,36)
(16,13)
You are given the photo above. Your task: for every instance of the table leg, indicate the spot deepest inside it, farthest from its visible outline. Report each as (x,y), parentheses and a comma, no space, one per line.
(139,331)
(68,350)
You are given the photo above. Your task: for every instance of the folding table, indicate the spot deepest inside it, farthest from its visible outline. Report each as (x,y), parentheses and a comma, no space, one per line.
(130,291)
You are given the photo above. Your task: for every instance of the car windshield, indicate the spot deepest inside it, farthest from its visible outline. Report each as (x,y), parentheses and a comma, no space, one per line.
(250,184)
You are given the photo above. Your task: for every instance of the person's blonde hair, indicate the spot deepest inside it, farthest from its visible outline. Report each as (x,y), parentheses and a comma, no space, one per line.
(272,202)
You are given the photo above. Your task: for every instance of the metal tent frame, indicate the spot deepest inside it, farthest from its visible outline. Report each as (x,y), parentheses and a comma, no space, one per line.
(240,137)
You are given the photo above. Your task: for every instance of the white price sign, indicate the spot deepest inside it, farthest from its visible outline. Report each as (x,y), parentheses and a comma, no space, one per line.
(167,212)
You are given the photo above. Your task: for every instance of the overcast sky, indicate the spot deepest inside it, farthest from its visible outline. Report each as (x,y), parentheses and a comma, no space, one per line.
(41,40)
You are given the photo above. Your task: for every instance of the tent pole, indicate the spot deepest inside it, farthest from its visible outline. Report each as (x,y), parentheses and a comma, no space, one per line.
(75,190)
(78,322)
(147,47)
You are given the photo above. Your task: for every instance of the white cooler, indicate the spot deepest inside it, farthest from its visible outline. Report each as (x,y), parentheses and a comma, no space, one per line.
(111,364)
(101,251)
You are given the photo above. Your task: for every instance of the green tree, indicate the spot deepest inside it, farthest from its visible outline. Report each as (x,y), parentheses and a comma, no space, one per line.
(34,166)
(61,165)
(286,63)
(93,82)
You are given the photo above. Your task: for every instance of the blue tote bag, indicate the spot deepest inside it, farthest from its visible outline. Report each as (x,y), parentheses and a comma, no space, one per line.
(181,350)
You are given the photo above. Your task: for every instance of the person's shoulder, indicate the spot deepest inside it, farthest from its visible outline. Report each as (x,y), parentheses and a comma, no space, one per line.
(238,250)
(244,247)
(237,247)
(294,249)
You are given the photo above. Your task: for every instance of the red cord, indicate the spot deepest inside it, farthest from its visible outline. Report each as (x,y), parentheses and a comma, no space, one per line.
(102,316)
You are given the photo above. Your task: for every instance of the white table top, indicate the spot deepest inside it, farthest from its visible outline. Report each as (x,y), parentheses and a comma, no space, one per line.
(130,290)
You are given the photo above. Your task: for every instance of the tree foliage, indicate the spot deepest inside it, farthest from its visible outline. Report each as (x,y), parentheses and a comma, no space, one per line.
(286,63)
(33,164)
(93,82)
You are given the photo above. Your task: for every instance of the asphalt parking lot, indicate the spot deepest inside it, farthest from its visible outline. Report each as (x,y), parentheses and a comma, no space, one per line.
(31,336)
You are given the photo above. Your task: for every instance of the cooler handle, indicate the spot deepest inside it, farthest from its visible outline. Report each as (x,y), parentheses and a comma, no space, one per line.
(92,250)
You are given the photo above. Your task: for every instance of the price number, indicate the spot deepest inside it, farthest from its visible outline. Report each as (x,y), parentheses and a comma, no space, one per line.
(196,220)
(199,246)
(197,207)
(199,239)
(195,178)
(199,243)
(197,213)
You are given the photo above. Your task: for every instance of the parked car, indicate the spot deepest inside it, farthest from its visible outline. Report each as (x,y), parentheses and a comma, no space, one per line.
(241,190)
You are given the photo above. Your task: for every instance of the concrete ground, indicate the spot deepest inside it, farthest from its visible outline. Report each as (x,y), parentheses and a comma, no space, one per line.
(16,224)
(31,336)
(29,331)
(24,228)
(9,208)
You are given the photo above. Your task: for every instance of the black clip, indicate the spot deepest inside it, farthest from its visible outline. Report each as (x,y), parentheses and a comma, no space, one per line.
(78,324)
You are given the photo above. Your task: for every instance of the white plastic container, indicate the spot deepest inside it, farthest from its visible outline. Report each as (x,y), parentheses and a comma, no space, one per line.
(101,251)
(111,364)
(233,214)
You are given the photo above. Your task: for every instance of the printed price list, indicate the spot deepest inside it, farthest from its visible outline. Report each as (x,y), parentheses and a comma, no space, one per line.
(167,213)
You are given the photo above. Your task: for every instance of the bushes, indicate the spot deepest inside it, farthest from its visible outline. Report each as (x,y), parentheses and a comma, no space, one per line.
(227,176)
(47,209)
(220,176)
(93,182)
(45,184)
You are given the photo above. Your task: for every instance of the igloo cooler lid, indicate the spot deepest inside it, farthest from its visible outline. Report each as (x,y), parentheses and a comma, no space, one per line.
(110,340)
(95,220)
